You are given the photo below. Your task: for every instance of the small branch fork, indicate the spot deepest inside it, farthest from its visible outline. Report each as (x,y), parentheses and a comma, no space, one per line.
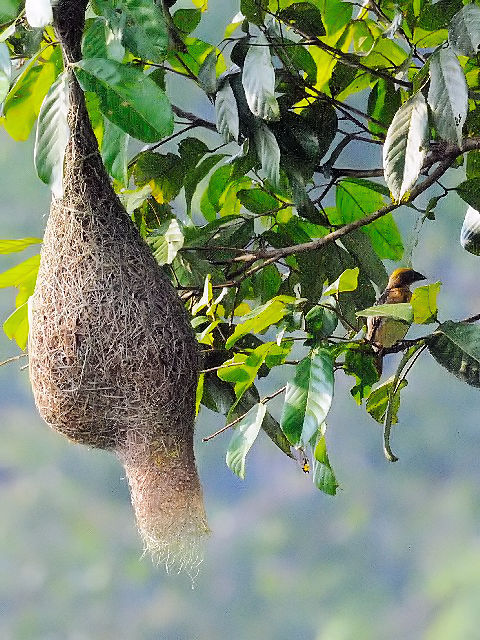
(237,420)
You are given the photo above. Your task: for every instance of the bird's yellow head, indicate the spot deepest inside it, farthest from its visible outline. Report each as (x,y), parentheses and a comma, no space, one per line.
(403,277)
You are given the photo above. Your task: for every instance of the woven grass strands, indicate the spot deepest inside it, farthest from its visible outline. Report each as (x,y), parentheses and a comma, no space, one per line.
(113,360)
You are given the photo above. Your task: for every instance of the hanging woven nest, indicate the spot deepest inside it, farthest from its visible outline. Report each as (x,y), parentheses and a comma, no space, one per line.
(113,360)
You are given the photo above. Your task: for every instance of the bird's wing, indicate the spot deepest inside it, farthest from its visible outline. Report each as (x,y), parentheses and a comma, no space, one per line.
(374,322)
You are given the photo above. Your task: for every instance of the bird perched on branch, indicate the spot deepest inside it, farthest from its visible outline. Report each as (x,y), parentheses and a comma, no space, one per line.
(383,332)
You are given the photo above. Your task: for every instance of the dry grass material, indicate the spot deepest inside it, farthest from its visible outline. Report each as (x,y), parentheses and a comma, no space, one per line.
(113,360)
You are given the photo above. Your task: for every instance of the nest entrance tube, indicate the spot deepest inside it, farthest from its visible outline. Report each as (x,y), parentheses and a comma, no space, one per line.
(113,359)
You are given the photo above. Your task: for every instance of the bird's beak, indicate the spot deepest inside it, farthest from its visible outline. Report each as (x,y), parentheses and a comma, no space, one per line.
(417,276)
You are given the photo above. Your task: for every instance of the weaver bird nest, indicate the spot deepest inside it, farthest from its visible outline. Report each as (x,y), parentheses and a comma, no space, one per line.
(113,360)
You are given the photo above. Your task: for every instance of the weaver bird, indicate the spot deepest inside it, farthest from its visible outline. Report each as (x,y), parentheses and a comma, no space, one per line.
(384,332)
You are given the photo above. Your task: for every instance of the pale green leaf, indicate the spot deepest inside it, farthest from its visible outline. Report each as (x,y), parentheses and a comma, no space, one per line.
(12,246)
(399,311)
(21,275)
(16,326)
(53,134)
(258,79)
(323,475)
(166,242)
(464,31)
(25,98)
(38,13)
(424,303)
(268,153)
(470,233)
(448,95)
(378,400)
(261,318)
(346,281)
(406,146)
(226,111)
(207,76)
(308,397)
(244,373)
(5,71)
(244,435)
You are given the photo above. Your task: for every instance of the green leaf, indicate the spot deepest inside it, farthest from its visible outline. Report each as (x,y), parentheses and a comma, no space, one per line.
(134,198)
(346,281)
(53,134)
(267,282)
(199,393)
(197,175)
(261,318)
(12,246)
(335,15)
(405,146)
(258,201)
(94,42)
(114,152)
(305,17)
(187,20)
(191,151)
(38,13)
(437,16)
(464,31)
(357,199)
(320,321)
(9,9)
(128,98)
(164,173)
(22,275)
(16,326)
(470,192)
(254,10)
(258,79)
(145,33)
(448,95)
(207,75)
(226,111)
(323,475)
(361,365)
(268,153)
(245,434)
(308,397)
(473,164)
(166,241)
(456,346)
(22,105)
(424,303)
(399,311)
(377,403)
(383,103)
(243,375)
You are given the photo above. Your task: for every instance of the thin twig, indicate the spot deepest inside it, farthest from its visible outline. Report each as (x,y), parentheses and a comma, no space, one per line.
(13,358)
(237,420)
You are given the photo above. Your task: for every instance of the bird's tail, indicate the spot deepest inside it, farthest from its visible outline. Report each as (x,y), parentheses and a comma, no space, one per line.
(379,362)
(168,502)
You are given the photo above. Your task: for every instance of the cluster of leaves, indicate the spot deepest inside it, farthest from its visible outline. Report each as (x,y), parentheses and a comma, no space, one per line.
(276,249)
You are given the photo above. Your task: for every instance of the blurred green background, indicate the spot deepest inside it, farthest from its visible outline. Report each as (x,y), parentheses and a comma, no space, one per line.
(395,555)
